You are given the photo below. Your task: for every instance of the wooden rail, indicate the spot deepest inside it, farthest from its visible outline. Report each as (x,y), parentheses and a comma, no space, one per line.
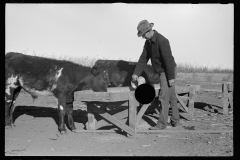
(159,131)
(225,100)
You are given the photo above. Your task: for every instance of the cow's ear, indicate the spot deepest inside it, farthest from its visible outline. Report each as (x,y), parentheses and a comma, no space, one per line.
(95,71)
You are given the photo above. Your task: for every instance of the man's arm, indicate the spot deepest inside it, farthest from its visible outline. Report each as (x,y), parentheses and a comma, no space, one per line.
(142,61)
(168,59)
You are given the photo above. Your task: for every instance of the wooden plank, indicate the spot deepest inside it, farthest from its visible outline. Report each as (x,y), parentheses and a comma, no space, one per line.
(141,112)
(182,103)
(183,131)
(180,107)
(230,98)
(119,96)
(225,98)
(113,120)
(96,131)
(159,131)
(191,102)
(230,94)
(184,97)
(100,100)
(122,103)
(113,94)
(185,115)
(211,90)
(101,96)
(79,105)
(120,116)
(229,86)
(111,105)
(125,89)
(181,89)
(91,125)
(119,89)
(116,93)
(178,89)
(132,111)
(94,96)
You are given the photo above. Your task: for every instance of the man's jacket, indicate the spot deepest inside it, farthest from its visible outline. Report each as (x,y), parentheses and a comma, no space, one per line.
(159,50)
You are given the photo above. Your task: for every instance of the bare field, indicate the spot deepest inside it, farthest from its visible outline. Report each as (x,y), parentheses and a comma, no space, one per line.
(36,131)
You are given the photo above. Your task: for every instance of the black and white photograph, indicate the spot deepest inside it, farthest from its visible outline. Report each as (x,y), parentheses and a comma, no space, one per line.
(119,79)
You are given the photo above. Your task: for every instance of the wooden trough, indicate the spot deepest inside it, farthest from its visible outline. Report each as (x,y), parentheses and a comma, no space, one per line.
(98,102)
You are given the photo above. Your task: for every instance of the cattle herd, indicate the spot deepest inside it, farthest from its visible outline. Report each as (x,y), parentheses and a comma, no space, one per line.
(40,76)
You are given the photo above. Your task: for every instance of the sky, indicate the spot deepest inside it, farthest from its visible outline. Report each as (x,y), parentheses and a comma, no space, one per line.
(199,34)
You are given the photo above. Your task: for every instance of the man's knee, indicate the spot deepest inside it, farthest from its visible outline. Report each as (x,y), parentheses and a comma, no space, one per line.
(163,99)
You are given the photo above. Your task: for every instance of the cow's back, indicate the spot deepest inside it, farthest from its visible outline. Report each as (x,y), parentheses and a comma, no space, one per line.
(39,67)
(121,72)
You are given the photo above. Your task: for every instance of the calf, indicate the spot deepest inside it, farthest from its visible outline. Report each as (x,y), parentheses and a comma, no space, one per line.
(44,76)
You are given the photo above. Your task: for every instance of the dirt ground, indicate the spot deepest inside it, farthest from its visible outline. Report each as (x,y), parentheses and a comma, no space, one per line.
(36,134)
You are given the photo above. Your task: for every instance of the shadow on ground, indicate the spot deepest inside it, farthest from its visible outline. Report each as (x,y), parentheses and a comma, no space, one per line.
(81,116)
(78,116)
(203,106)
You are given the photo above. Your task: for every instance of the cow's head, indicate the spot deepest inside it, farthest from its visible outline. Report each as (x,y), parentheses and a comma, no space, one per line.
(100,79)
(120,72)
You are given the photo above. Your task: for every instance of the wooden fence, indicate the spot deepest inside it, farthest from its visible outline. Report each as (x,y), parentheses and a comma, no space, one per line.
(225,100)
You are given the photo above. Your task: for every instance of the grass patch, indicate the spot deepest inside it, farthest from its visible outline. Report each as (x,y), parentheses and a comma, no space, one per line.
(189,68)
(195,76)
(209,77)
(227,78)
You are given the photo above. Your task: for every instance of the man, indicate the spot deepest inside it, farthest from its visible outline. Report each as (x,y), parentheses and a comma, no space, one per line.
(157,48)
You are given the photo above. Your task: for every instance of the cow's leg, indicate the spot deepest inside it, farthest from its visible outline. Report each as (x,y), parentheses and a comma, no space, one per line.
(70,118)
(62,113)
(8,123)
(10,106)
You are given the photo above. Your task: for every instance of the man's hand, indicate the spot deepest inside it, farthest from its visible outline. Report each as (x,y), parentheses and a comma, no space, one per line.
(134,77)
(171,82)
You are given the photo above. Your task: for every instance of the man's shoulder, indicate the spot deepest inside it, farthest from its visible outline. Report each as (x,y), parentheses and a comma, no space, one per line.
(160,37)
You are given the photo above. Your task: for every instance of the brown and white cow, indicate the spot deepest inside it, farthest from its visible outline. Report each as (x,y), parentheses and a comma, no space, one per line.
(44,76)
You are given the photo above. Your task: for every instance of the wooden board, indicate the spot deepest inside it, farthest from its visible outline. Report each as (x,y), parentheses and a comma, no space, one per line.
(121,116)
(113,120)
(141,113)
(230,99)
(91,125)
(132,111)
(159,131)
(182,103)
(225,98)
(116,94)
(229,86)
(185,115)
(184,131)
(211,90)
(191,102)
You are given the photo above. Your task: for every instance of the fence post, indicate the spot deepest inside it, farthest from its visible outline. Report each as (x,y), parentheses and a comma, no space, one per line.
(191,102)
(91,125)
(225,98)
(230,95)
(132,111)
